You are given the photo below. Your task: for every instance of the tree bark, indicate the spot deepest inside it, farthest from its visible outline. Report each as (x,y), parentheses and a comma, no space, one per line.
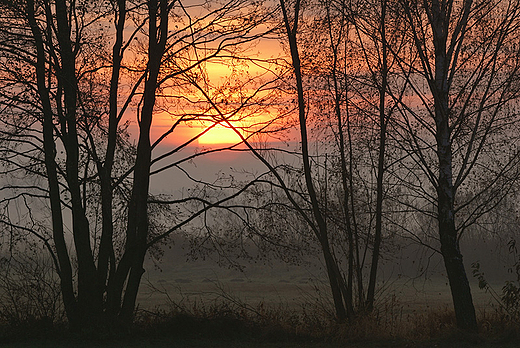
(380,162)
(65,270)
(459,284)
(447,37)
(348,289)
(89,300)
(106,246)
(333,274)
(137,228)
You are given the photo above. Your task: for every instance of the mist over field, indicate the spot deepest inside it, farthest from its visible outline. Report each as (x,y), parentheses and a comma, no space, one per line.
(412,276)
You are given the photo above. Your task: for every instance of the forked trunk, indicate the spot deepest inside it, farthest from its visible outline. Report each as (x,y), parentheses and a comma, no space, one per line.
(461,293)
(380,163)
(335,277)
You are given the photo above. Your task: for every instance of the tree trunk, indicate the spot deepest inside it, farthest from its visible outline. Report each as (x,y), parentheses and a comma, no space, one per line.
(65,267)
(106,257)
(348,288)
(380,163)
(89,300)
(137,227)
(322,235)
(335,282)
(460,290)
(459,284)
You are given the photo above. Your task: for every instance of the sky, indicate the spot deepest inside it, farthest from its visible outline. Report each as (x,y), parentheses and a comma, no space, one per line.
(207,167)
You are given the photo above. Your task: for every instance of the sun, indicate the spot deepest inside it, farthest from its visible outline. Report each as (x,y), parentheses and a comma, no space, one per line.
(219,135)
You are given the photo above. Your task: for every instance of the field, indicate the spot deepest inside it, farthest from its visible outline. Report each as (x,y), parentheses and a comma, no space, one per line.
(179,282)
(201,287)
(186,303)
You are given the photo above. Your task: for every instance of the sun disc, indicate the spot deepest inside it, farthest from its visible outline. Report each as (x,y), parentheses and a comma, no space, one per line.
(219,135)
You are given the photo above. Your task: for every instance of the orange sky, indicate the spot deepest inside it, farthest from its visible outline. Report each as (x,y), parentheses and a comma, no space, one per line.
(219,73)
(219,134)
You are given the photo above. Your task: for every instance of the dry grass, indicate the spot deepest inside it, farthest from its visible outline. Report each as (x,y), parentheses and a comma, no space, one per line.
(258,317)
(389,326)
(228,324)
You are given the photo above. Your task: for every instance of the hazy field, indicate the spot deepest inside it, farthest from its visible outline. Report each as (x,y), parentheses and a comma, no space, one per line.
(411,311)
(184,283)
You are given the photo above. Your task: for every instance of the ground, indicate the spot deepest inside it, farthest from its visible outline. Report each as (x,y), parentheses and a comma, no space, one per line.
(204,343)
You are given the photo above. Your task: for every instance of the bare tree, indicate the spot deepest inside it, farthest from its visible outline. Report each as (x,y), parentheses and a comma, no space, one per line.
(336,280)
(61,131)
(462,73)
(342,93)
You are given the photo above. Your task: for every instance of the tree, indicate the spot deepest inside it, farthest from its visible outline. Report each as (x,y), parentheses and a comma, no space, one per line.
(337,284)
(345,67)
(462,71)
(59,60)
(373,29)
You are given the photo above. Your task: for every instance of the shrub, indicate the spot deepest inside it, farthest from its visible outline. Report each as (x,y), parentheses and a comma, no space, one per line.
(30,294)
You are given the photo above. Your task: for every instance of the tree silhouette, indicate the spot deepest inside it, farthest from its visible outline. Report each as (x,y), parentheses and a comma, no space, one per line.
(461,70)
(73,75)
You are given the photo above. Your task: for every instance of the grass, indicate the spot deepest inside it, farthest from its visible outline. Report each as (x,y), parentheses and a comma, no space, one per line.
(284,307)
(232,324)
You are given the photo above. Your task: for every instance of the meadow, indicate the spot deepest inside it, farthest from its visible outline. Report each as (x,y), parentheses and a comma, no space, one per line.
(197,303)
(406,281)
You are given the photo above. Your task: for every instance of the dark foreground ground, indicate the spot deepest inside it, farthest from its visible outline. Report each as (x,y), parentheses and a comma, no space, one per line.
(230,330)
(195,343)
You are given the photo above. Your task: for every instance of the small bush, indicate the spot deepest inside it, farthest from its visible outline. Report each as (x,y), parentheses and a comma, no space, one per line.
(30,297)
(508,300)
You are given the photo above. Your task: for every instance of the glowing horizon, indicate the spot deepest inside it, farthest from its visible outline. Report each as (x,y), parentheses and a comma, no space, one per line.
(219,135)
